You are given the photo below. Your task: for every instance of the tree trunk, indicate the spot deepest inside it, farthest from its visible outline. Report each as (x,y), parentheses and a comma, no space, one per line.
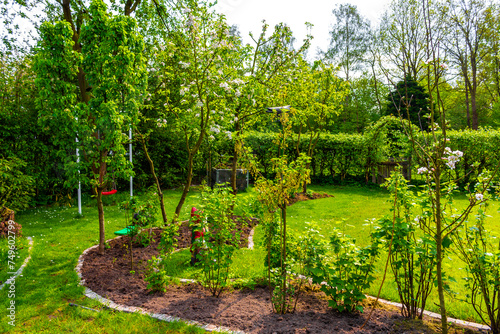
(192,153)
(283,263)
(304,186)
(100,209)
(158,188)
(439,254)
(186,188)
(235,160)
(467,105)
(475,115)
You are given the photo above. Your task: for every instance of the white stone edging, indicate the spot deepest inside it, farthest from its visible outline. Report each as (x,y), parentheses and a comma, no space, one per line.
(132,309)
(21,268)
(164,317)
(436,315)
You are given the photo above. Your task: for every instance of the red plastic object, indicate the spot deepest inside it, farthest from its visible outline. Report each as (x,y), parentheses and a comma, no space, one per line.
(193,214)
(112,192)
(197,234)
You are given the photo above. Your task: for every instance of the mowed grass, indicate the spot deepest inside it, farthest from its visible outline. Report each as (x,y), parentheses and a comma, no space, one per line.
(350,210)
(49,282)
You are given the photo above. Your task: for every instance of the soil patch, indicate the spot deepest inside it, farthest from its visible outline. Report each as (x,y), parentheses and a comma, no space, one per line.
(244,310)
(306,197)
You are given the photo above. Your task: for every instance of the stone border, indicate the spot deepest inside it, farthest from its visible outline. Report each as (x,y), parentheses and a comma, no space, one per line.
(131,309)
(164,317)
(437,315)
(250,238)
(21,268)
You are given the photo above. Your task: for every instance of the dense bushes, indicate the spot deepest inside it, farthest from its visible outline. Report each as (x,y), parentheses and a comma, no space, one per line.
(337,157)
(353,155)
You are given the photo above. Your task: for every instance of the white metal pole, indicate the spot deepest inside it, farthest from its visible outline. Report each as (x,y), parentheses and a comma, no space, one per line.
(130,159)
(79,183)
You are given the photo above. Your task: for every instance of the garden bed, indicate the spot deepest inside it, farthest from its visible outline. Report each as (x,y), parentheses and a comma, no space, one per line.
(306,197)
(244,310)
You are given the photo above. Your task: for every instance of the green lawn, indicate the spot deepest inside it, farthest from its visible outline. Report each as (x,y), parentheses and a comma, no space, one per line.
(49,282)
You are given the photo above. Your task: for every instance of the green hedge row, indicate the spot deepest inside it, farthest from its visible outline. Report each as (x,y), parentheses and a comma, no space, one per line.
(355,155)
(340,155)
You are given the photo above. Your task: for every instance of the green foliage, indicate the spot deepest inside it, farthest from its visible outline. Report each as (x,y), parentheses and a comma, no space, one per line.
(335,154)
(15,187)
(412,255)
(156,272)
(410,101)
(347,271)
(479,248)
(275,195)
(156,275)
(114,66)
(220,239)
(22,136)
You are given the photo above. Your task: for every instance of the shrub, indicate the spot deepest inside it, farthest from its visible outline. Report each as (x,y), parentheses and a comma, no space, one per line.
(15,187)
(220,239)
(346,272)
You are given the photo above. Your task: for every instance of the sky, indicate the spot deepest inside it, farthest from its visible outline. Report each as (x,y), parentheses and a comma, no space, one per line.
(248,15)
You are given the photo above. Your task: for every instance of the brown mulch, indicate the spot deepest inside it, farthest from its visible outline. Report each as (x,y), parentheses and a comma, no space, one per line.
(244,310)
(299,197)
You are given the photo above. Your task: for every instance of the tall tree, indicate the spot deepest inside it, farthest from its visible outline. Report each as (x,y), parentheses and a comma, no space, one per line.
(410,101)
(349,39)
(402,34)
(491,64)
(317,95)
(265,69)
(109,59)
(197,63)
(467,47)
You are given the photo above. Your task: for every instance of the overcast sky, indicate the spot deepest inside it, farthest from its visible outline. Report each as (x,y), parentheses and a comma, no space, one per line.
(248,15)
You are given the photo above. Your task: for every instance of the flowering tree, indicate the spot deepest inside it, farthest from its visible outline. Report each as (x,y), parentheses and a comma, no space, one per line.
(197,62)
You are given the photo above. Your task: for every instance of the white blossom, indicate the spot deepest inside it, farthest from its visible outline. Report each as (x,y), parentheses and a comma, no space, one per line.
(184,65)
(161,122)
(422,170)
(238,81)
(453,157)
(215,128)
(479,197)
(228,133)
